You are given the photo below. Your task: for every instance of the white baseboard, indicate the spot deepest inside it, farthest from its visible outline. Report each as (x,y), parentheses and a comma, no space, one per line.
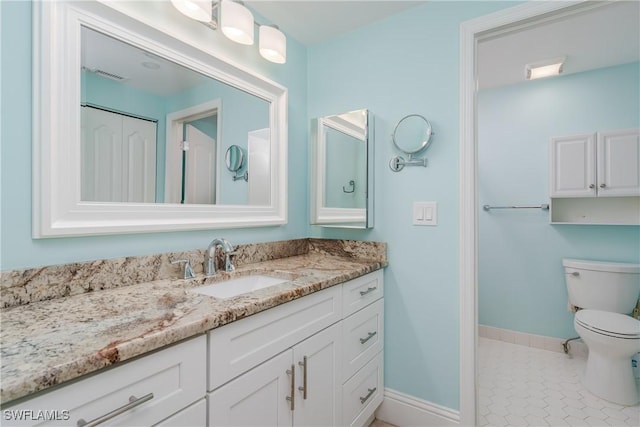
(576,348)
(403,410)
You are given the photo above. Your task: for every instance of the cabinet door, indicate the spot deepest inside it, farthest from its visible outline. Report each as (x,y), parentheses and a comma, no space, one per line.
(319,387)
(256,398)
(619,163)
(572,166)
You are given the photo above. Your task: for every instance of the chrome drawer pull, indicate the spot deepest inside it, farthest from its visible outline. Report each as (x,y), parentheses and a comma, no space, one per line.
(363,293)
(133,402)
(369,336)
(371,391)
(303,389)
(292,399)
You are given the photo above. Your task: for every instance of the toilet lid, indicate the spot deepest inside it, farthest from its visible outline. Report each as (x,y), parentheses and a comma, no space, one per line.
(609,323)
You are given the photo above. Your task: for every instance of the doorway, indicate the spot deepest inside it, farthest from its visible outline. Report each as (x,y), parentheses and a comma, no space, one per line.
(471,34)
(193,155)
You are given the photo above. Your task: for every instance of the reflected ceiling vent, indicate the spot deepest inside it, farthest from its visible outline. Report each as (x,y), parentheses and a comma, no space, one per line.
(107,74)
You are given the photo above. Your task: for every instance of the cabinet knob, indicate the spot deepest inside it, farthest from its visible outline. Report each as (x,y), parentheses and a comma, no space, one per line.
(592,186)
(603,185)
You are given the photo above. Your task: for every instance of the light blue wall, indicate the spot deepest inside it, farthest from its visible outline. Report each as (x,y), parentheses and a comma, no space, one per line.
(521,281)
(19,250)
(407,64)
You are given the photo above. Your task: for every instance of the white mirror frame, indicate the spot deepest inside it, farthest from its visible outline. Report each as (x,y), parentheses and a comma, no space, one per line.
(57,208)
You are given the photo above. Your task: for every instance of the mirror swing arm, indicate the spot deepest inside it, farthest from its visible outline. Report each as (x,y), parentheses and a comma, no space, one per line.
(397,163)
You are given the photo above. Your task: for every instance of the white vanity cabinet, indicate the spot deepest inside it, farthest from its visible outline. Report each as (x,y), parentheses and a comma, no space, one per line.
(595,178)
(146,391)
(292,365)
(300,386)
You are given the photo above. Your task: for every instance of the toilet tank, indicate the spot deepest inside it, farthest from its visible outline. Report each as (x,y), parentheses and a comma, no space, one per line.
(606,286)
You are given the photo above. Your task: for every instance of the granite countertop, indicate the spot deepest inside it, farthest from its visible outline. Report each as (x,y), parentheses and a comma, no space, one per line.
(49,342)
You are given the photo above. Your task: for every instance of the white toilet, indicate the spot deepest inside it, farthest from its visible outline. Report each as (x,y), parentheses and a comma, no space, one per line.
(606,292)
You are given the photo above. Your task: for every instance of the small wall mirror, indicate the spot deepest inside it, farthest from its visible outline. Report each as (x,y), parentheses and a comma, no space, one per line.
(342,170)
(234,158)
(235,163)
(411,136)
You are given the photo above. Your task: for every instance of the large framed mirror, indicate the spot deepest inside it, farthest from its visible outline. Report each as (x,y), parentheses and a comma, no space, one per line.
(342,170)
(131,127)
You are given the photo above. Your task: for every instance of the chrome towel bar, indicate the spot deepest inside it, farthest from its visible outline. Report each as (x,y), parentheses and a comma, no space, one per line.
(543,206)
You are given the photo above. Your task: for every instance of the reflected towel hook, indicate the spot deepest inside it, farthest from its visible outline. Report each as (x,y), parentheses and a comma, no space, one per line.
(352,187)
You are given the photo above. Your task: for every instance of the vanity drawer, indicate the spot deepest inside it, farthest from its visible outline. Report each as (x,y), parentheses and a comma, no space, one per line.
(363,337)
(363,393)
(165,382)
(362,291)
(239,346)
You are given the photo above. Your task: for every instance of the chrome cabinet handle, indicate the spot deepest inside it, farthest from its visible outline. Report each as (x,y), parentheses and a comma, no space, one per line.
(292,399)
(575,273)
(371,391)
(603,185)
(133,402)
(592,186)
(363,293)
(303,389)
(369,336)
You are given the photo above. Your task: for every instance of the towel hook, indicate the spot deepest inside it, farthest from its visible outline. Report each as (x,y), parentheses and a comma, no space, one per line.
(352,187)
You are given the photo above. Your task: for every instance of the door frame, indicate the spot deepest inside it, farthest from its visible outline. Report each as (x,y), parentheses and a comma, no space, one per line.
(173,157)
(521,16)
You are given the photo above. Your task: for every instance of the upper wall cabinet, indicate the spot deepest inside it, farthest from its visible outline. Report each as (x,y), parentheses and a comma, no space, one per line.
(606,164)
(595,178)
(150,64)
(342,170)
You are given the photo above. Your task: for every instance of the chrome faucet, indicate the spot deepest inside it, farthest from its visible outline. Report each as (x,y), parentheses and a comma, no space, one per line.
(210,255)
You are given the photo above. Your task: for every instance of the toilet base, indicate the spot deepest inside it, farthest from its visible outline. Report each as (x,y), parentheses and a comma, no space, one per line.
(611,378)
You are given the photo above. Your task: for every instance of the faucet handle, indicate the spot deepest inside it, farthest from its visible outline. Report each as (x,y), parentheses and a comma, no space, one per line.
(228,265)
(188,270)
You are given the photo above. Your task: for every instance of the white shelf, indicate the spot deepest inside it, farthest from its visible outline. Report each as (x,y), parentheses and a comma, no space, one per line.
(595,210)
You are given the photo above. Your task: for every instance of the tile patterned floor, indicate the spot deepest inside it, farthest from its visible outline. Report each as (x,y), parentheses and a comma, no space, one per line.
(380,423)
(525,386)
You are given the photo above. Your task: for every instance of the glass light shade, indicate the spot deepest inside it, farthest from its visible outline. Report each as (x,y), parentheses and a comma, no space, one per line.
(273,44)
(552,67)
(199,10)
(236,22)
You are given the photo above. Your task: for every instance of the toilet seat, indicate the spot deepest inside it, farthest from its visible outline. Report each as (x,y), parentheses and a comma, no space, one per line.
(609,324)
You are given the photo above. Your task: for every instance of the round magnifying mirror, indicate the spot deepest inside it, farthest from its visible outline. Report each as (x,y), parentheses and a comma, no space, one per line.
(234,158)
(412,134)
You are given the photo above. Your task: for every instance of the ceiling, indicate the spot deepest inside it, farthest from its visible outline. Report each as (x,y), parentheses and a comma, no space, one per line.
(311,22)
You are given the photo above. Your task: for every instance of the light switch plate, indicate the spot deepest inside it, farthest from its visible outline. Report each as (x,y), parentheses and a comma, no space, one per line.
(425,213)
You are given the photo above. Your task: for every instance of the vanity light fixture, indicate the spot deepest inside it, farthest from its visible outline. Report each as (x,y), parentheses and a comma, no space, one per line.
(546,68)
(237,23)
(272,44)
(200,10)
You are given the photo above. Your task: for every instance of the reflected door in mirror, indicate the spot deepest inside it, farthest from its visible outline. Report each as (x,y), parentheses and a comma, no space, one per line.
(119,157)
(199,167)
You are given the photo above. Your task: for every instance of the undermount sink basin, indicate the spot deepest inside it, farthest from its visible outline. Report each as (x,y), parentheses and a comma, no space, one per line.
(241,285)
